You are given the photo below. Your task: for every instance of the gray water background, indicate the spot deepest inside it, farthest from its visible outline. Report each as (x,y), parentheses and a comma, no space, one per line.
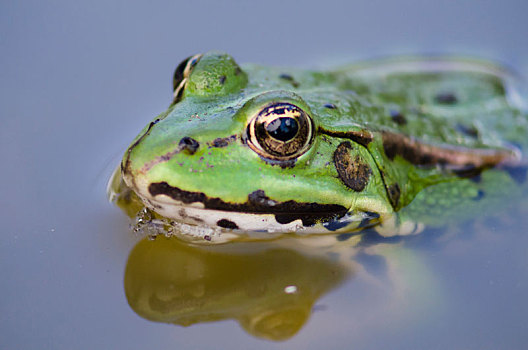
(78,80)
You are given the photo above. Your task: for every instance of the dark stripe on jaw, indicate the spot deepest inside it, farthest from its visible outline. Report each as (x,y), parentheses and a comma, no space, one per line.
(257,203)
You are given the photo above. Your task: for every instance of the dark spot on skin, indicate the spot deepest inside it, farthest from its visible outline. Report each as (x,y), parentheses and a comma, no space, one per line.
(223,142)
(219,142)
(290,79)
(394,192)
(189,144)
(227,224)
(518,174)
(479,196)
(361,137)
(284,219)
(446,98)
(238,71)
(330,106)
(354,173)
(397,117)
(258,202)
(222,79)
(470,131)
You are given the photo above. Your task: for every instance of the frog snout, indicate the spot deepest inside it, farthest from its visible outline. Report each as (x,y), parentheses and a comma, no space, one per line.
(188,144)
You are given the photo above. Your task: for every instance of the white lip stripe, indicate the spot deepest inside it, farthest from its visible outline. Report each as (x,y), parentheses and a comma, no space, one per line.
(210,217)
(251,224)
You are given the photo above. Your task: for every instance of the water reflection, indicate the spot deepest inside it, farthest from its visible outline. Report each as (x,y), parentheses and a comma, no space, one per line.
(269,289)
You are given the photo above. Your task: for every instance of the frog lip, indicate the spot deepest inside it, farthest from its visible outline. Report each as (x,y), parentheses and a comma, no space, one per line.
(205,219)
(257,202)
(211,218)
(160,196)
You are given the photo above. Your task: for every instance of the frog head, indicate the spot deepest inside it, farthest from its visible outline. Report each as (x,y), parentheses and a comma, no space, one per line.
(248,149)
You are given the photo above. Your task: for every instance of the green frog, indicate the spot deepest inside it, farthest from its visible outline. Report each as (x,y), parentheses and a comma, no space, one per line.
(393,145)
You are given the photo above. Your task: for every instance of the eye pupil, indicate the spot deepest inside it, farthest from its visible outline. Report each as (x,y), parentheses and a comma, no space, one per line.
(283,129)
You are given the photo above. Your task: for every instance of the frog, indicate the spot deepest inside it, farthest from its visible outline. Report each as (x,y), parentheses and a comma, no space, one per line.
(391,145)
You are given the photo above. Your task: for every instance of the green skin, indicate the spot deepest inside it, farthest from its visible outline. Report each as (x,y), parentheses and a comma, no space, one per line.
(385,135)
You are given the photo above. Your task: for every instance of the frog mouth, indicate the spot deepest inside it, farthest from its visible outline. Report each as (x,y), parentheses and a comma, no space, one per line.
(257,213)
(258,203)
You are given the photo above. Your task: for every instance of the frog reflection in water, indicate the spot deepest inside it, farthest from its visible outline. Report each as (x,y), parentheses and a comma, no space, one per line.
(250,153)
(269,290)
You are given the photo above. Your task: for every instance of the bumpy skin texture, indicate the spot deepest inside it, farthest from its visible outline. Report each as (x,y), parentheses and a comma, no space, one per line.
(382,133)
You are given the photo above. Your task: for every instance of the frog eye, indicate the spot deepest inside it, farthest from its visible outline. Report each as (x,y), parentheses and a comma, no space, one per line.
(181,74)
(280,131)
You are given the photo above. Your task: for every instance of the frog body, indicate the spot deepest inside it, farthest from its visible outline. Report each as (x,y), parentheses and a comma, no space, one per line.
(261,150)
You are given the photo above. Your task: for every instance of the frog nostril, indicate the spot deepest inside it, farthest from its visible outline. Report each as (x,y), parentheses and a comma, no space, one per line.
(189,144)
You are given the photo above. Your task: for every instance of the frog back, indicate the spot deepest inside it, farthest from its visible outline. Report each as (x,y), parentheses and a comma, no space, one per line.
(442,100)
(450,102)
